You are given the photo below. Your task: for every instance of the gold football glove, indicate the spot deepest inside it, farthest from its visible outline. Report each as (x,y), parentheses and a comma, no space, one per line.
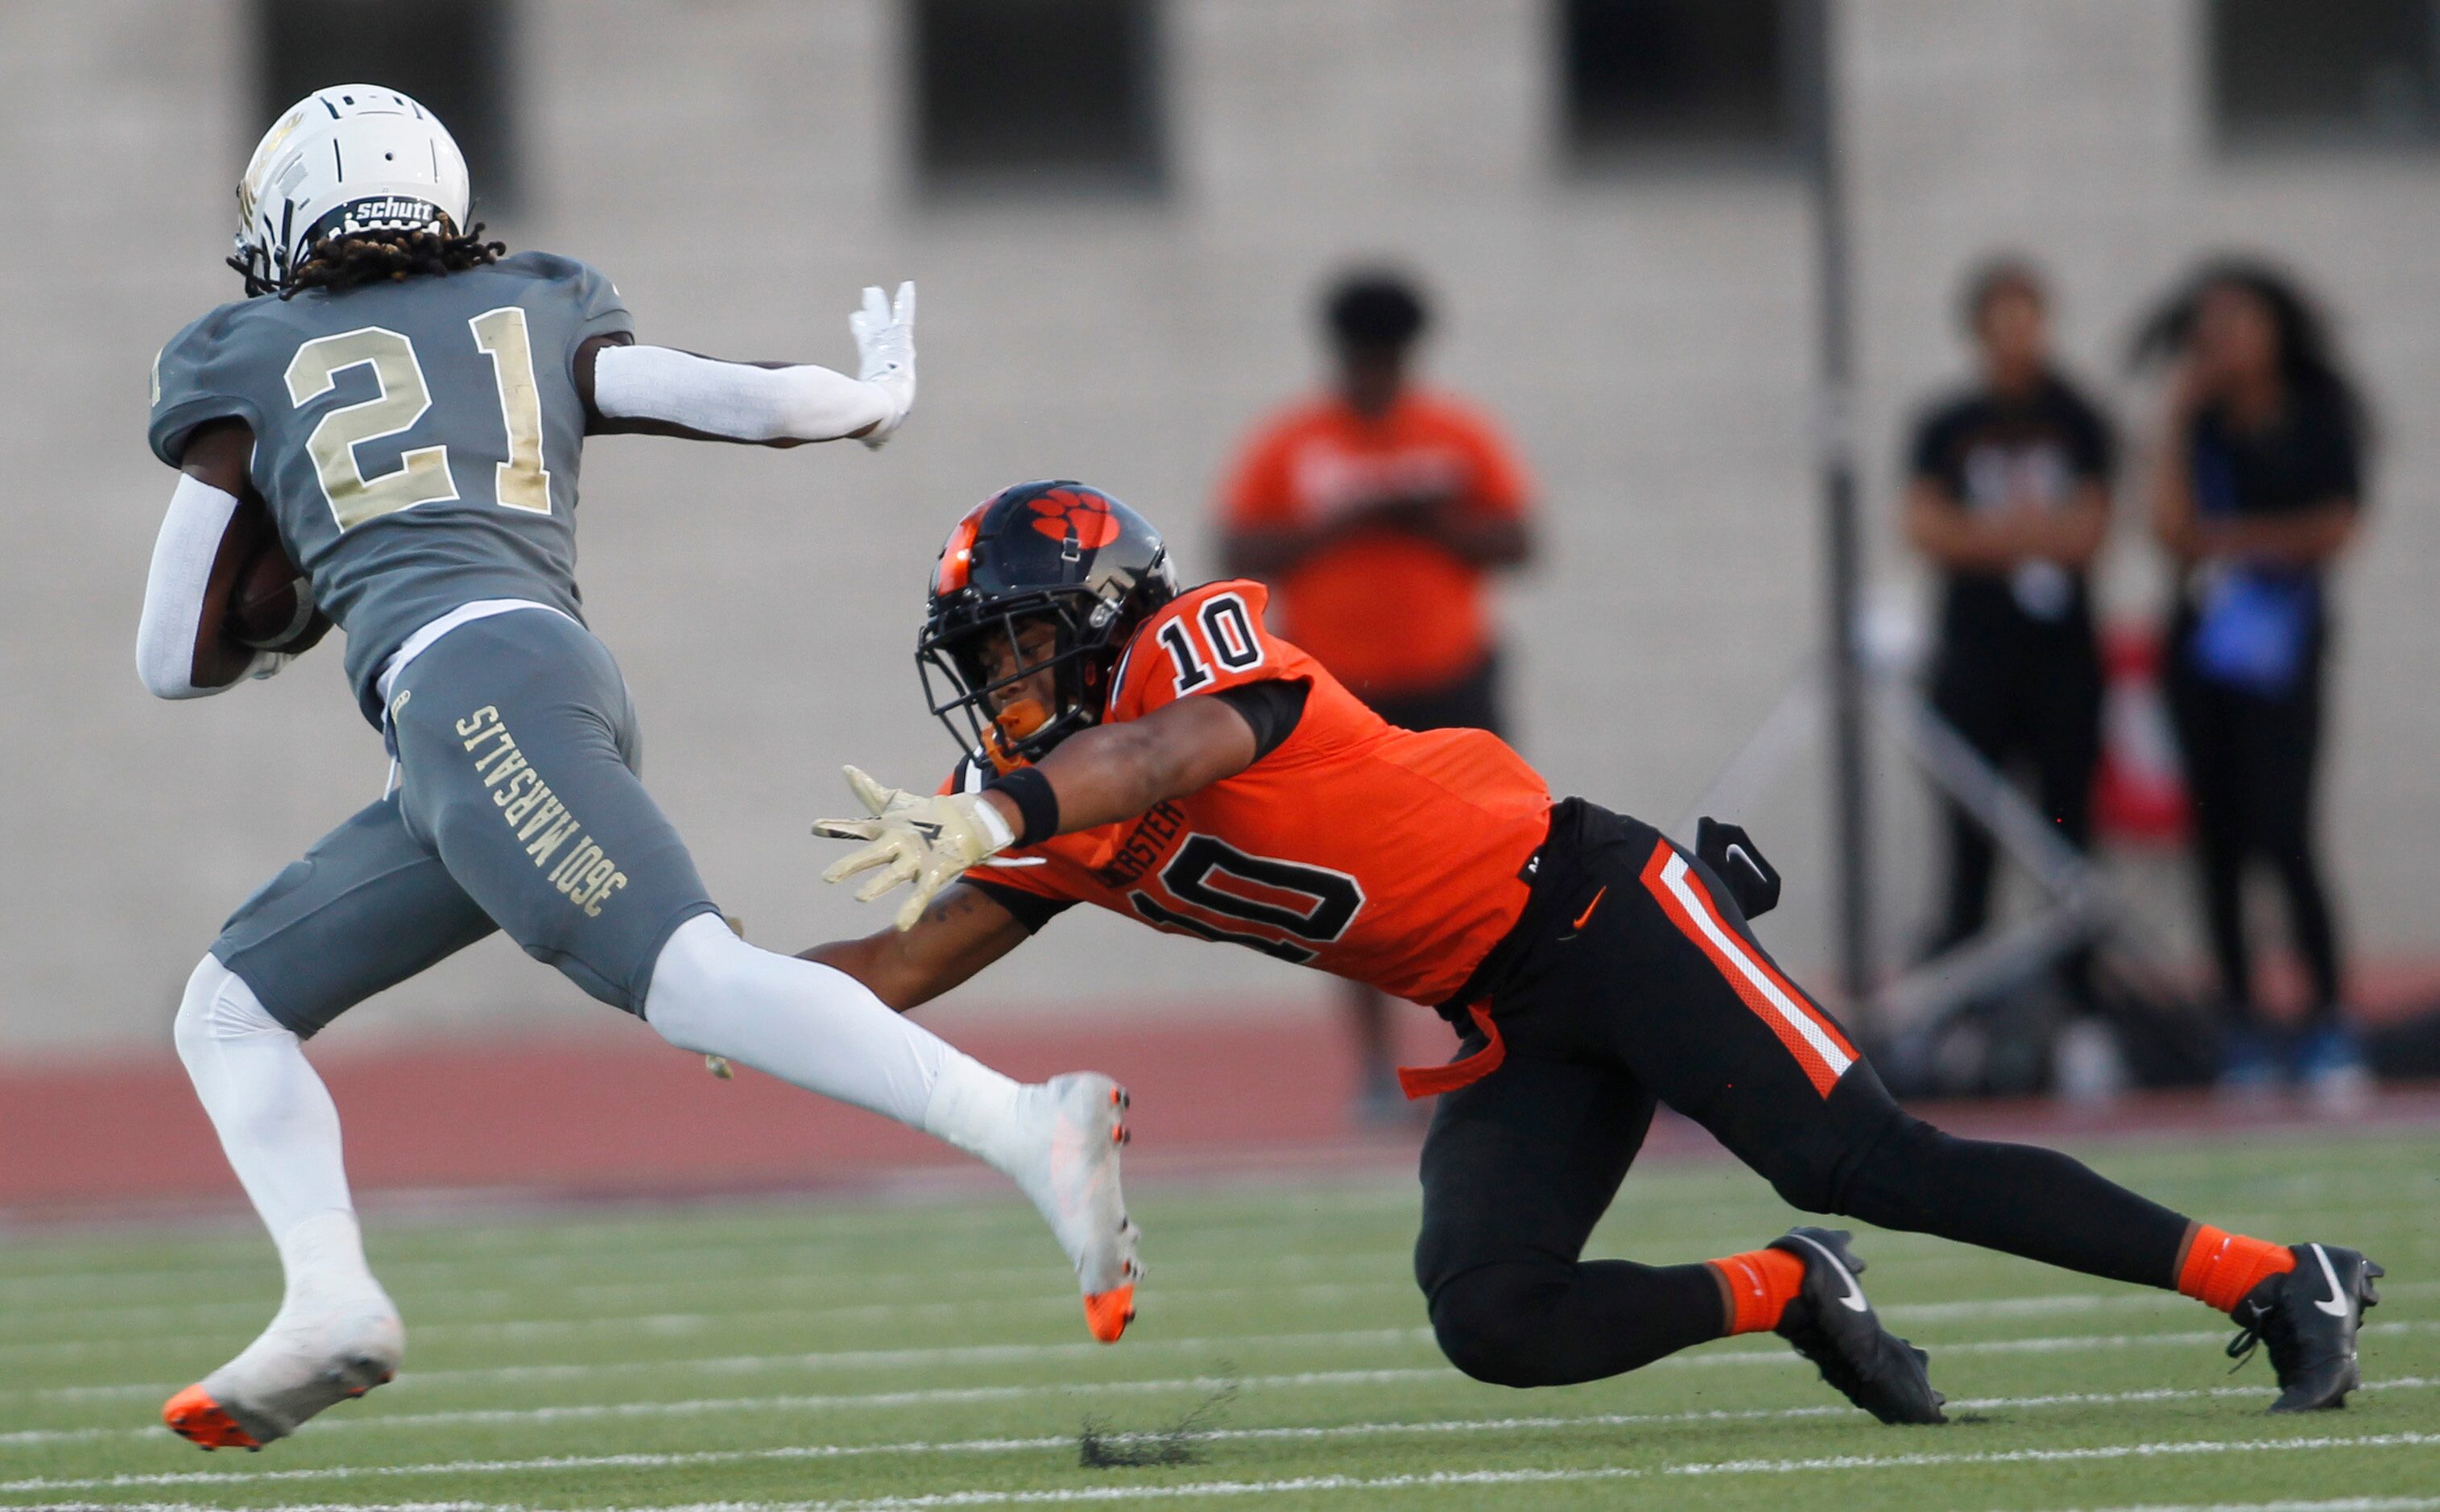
(927,842)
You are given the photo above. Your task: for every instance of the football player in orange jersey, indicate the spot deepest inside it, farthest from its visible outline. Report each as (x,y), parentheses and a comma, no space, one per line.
(1160,754)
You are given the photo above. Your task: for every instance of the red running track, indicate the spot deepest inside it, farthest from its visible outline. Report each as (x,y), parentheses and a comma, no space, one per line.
(617,1114)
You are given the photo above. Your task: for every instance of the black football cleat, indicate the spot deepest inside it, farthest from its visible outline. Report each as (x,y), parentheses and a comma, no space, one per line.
(1830,1323)
(2308,1317)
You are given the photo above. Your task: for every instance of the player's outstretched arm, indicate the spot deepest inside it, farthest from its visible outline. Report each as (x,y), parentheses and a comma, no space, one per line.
(183,649)
(963,930)
(1118,771)
(661,391)
(1100,776)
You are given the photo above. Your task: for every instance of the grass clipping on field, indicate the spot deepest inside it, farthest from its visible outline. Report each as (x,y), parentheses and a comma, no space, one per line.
(1100,1448)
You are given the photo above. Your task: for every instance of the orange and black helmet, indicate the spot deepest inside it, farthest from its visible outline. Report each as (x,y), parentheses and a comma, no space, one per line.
(1061,553)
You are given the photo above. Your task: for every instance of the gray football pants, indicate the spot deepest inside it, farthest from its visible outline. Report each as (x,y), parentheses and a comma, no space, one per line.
(518,808)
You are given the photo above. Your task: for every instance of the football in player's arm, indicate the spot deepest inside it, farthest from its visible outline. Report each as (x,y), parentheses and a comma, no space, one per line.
(186,646)
(1158,753)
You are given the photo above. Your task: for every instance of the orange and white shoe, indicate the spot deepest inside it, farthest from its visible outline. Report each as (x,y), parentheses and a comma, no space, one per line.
(319,1351)
(1076,1187)
(1059,1141)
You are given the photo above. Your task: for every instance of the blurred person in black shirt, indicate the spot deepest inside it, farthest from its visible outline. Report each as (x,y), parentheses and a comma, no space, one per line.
(2258,489)
(2009,497)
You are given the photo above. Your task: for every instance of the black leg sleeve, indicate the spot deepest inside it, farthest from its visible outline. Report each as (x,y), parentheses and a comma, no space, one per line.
(1516,1170)
(2016,1199)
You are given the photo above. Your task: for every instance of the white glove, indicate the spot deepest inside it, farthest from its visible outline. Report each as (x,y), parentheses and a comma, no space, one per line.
(885,347)
(928,842)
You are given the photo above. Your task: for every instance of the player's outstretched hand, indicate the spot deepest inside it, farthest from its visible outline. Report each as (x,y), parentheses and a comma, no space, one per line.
(885,350)
(927,842)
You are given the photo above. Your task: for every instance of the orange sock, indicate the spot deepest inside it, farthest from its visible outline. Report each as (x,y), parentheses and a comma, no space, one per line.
(2222,1269)
(1758,1286)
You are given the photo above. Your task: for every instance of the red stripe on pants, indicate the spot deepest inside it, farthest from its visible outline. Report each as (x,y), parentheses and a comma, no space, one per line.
(1741,968)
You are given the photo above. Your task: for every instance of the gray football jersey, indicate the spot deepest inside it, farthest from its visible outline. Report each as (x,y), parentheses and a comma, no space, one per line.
(417,442)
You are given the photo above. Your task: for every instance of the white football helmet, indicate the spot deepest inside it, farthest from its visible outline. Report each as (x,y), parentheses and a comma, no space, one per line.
(350,158)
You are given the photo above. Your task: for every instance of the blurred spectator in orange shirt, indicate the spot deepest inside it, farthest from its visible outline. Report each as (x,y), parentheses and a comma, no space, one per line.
(1375,511)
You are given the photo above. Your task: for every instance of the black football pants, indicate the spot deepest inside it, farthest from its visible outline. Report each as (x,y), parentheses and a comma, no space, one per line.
(1632,979)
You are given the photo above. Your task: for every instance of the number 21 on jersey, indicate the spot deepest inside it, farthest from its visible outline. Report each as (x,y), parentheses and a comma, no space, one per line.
(1227,637)
(421,476)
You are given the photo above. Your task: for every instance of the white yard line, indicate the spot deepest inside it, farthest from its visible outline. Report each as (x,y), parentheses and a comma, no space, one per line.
(992,1353)
(281,1507)
(2357,1443)
(629,1411)
(2346,1504)
(156,1316)
(820,1402)
(681,1324)
(622,1249)
(550,1250)
(760,1319)
(2352,1504)
(810,1264)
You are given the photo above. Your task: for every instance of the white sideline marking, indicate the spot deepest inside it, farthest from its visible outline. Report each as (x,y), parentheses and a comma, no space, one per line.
(724,1266)
(1459,1425)
(284,1506)
(667,1324)
(579,1411)
(985,1354)
(1041,1277)
(816,1360)
(2353,1504)
(551,1249)
(615,1246)
(804,1264)
(2348,1504)
(673,1323)
(676,1323)
(933,1396)
(1212,1488)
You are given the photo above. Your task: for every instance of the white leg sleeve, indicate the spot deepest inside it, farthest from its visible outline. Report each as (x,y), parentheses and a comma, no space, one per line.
(824,1031)
(275,1122)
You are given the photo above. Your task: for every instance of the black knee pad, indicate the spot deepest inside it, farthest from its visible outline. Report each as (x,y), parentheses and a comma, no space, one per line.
(1492,1322)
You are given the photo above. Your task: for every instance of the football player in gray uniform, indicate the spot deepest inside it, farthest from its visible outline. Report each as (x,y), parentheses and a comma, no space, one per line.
(408,405)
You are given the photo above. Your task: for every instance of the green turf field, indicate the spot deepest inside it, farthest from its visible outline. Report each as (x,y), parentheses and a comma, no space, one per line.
(934,1356)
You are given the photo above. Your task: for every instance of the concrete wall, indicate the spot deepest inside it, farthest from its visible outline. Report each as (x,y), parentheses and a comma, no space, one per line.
(739,167)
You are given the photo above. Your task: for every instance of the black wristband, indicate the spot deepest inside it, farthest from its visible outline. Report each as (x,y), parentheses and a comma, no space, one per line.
(1035,803)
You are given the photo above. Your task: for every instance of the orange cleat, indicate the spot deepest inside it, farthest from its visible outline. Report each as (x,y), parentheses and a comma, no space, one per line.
(192,1414)
(1108,1313)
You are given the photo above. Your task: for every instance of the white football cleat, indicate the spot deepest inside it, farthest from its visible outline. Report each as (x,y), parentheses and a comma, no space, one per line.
(1074,1181)
(320,1350)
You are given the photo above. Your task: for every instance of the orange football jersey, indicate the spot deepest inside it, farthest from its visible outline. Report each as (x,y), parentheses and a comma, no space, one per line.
(1386,855)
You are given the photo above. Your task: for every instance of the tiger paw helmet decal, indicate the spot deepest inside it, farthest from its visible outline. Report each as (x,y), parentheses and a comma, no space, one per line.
(1080,520)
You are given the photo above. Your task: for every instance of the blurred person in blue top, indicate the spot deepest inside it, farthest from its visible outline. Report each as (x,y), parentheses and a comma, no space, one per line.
(2258,489)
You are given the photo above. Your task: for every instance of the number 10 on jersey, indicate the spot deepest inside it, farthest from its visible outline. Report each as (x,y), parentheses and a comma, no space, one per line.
(1227,631)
